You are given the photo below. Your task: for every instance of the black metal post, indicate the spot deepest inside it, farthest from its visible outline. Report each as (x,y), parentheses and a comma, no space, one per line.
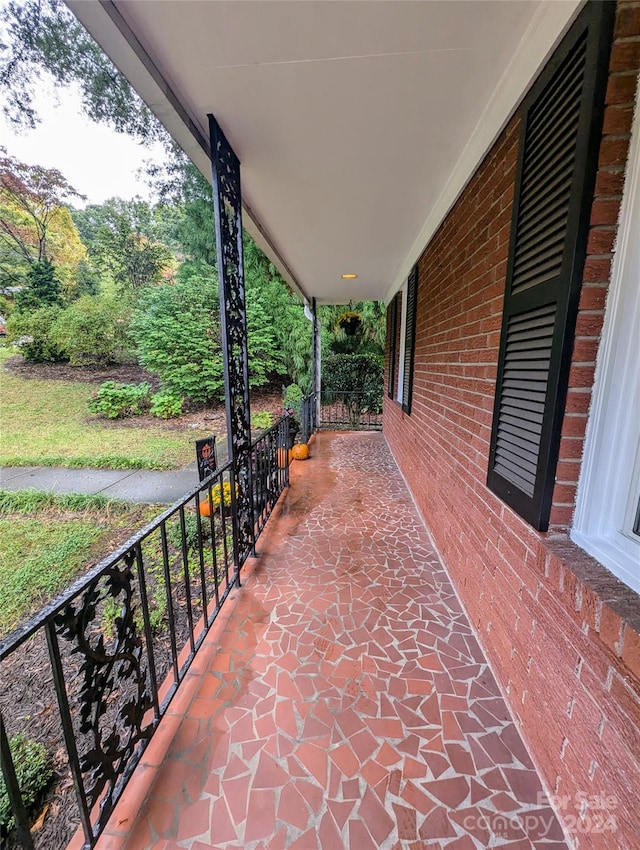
(227,200)
(316,387)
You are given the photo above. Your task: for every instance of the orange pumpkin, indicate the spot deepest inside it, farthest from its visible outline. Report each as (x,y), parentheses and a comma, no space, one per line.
(300,451)
(283,457)
(205,508)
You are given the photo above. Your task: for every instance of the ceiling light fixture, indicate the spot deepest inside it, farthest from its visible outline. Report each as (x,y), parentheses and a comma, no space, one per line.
(349,276)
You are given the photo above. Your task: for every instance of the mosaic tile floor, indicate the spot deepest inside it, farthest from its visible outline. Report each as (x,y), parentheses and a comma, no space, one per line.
(347,703)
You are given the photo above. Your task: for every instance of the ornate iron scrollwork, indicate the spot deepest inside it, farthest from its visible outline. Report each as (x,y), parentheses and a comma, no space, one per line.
(228,212)
(114,697)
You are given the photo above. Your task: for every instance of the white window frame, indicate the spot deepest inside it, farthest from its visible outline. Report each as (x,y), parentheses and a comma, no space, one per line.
(401,347)
(609,486)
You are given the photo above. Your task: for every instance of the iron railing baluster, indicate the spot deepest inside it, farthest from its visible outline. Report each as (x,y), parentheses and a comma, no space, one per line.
(187,578)
(214,545)
(203,575)
(148,635)
(170,612)
(68,731)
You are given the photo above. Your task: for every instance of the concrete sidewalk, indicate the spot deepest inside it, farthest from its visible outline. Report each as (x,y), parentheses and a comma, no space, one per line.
(132,485)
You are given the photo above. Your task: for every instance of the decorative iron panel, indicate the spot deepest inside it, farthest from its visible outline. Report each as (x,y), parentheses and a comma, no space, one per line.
(227,202)
(111,670)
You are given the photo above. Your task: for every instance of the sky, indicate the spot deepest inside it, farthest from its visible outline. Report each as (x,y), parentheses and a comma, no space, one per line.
(96,161)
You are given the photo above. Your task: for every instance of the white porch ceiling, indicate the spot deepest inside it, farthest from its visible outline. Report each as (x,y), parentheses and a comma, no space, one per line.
(357,123)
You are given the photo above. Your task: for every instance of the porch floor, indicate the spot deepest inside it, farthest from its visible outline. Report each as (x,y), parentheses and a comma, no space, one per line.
(346,702)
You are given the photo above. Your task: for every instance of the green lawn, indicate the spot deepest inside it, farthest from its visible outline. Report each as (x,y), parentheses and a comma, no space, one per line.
(45,423)
(47,541)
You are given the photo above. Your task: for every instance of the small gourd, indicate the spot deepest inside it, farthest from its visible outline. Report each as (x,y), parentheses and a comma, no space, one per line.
(300,451)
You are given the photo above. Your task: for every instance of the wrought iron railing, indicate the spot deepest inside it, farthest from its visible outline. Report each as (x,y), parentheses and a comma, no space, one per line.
(351,411)
(121,639)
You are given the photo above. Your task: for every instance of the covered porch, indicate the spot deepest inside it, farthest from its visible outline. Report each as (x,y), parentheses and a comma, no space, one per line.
(342,699)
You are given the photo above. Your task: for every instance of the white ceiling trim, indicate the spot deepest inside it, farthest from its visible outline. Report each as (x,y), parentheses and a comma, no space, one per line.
(544,33)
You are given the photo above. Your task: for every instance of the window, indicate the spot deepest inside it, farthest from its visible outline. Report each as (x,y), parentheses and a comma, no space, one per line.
(607,520)
(560,135)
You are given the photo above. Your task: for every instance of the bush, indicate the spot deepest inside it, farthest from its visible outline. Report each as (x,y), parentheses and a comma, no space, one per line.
(178,336)
(30,332)
(166,404)
(261,421)
(7,306)
(292,399)
(174,533)
(33,772)
(89,332)
(354,373)
(116,401)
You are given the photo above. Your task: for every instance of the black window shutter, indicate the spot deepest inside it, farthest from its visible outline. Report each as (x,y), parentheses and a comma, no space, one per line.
(392,333)
(409,340)
(560,136)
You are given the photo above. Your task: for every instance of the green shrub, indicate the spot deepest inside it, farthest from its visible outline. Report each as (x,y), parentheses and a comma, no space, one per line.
(292,399)
(116,401)
(174,532)
(33,772)
(7,306)
(30,332)
(177,332)
(354,373)
(166,404)
(90,332)
(261,421)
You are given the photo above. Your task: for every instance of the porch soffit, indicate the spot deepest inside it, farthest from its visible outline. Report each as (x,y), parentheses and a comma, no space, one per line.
(357,123)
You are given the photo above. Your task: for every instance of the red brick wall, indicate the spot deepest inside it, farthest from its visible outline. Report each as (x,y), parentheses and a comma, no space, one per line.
(560,631)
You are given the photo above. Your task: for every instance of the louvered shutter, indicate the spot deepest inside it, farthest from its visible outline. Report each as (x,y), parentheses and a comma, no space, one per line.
(409,340)
(392,332)
(561,120)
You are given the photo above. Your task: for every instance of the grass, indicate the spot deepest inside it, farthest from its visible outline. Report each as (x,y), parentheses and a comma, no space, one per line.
(46,541)
(45,423)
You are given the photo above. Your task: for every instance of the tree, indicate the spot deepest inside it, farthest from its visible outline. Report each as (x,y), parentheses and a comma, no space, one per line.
(120,236)
(45,38)
(42,290)
(31,197)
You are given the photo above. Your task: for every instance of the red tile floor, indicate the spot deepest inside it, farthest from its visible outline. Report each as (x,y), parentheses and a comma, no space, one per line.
(346,703)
